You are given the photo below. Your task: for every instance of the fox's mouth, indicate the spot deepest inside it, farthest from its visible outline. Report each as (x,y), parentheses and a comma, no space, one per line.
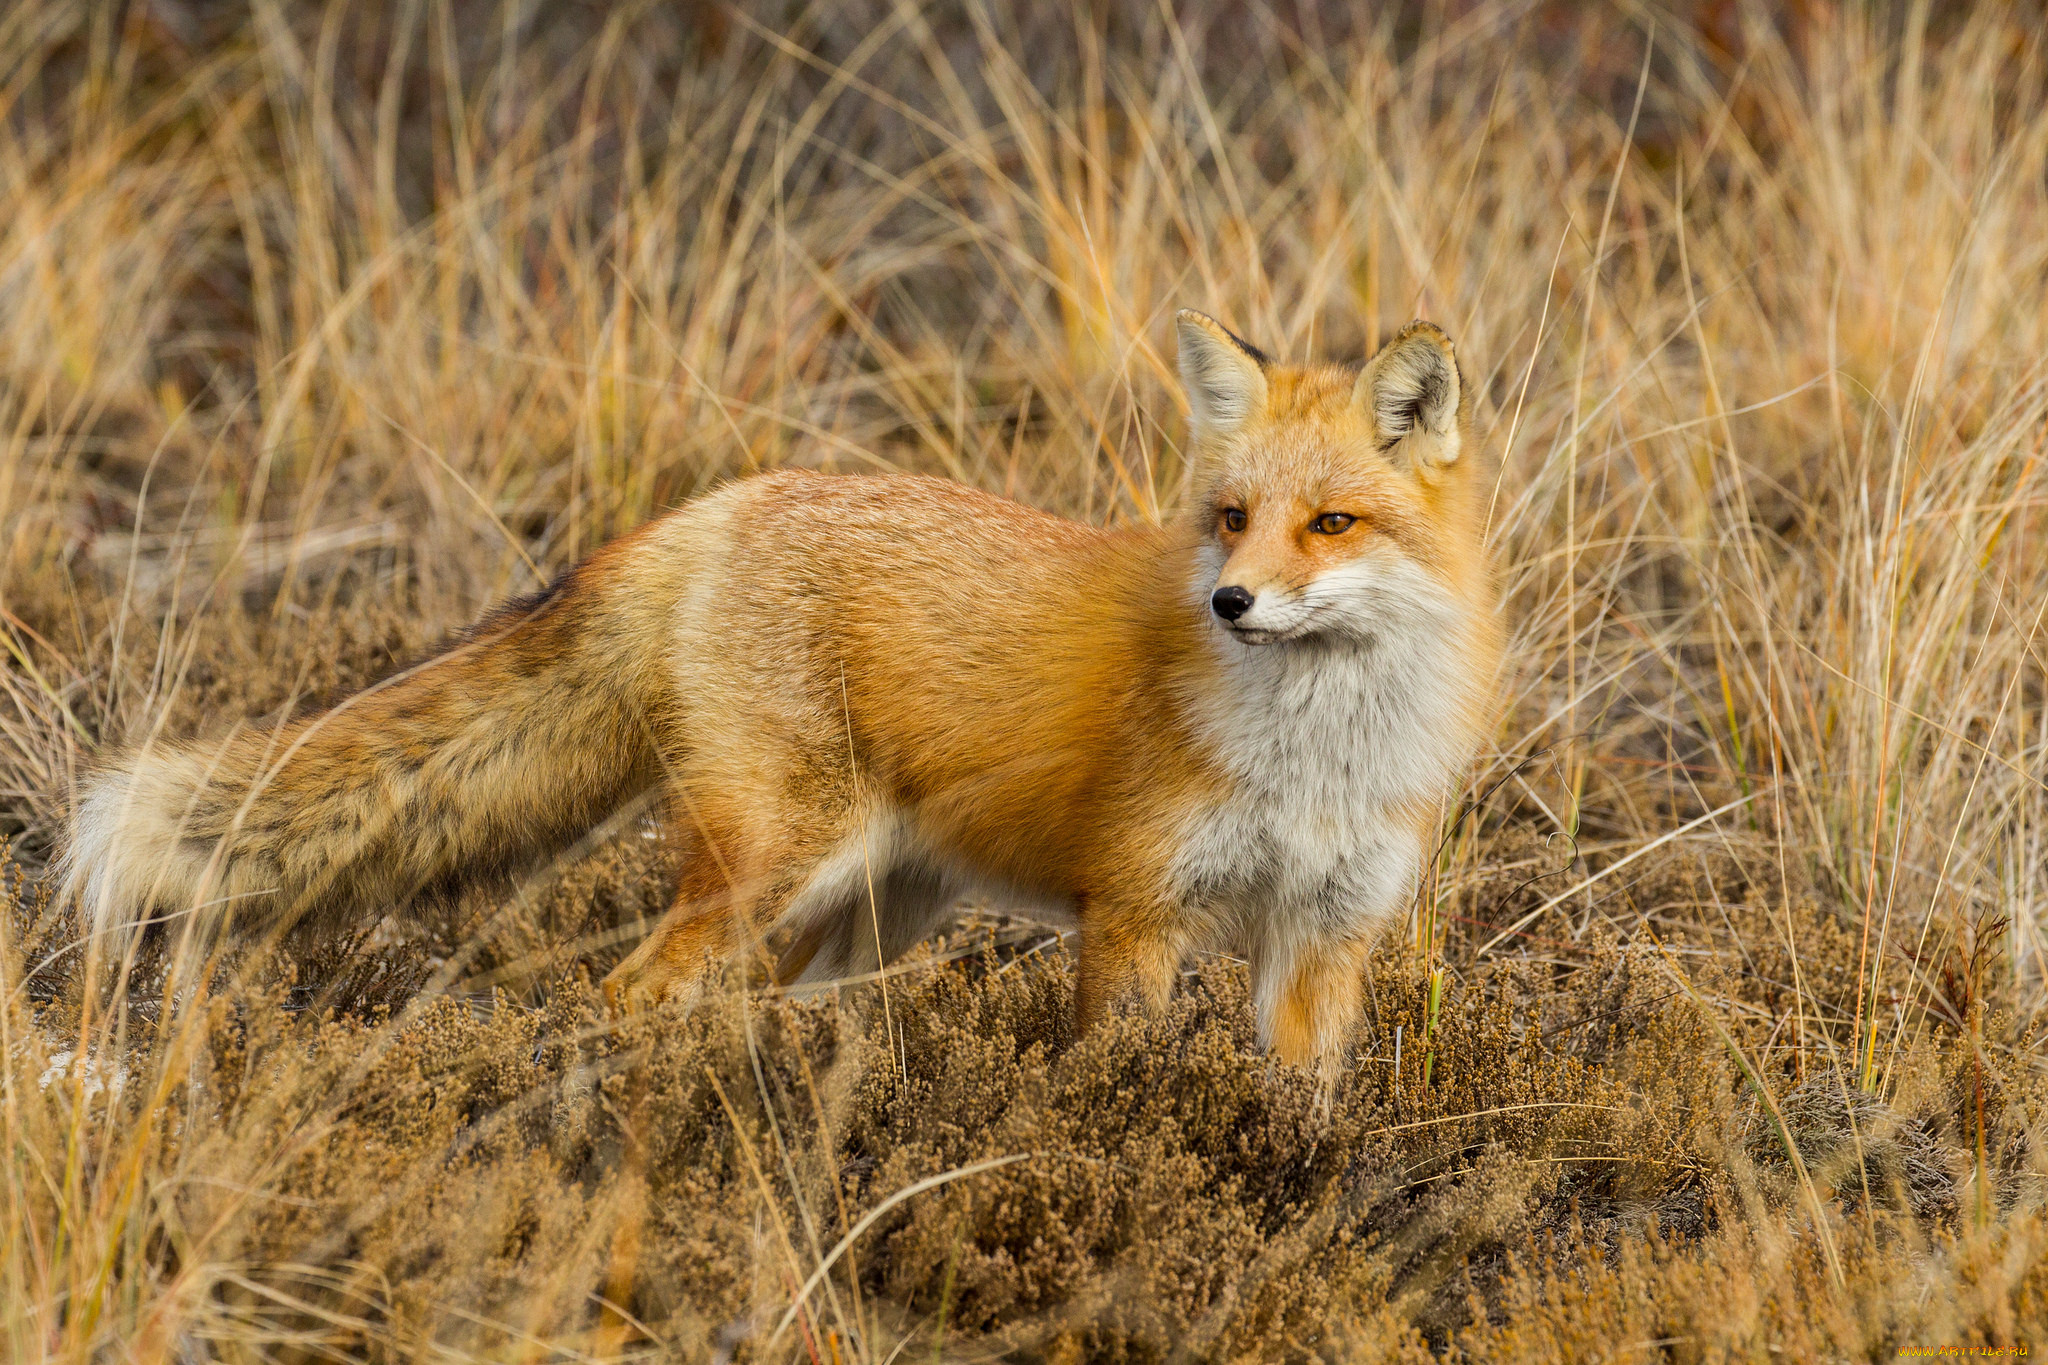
(1267,635)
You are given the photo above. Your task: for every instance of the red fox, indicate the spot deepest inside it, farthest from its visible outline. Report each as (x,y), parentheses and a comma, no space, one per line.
(863,698)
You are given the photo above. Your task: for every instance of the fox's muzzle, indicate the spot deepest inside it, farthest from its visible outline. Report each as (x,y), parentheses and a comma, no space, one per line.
(1230,603)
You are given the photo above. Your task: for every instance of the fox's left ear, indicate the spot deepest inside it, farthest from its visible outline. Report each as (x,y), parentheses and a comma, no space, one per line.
(1410,394)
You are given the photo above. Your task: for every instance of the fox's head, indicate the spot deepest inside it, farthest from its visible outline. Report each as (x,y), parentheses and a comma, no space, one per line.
(1335,501)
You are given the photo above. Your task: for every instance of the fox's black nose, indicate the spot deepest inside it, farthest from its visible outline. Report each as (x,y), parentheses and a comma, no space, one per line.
(1230,603)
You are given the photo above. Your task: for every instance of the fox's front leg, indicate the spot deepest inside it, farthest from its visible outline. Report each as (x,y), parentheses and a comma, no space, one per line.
(1125,950)
(1307,997)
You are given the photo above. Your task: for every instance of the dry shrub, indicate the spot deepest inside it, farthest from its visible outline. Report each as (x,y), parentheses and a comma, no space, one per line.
(1582,1161)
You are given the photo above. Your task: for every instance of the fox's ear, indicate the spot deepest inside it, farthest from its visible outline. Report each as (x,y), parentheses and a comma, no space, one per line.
(1410,394)
(1223,374)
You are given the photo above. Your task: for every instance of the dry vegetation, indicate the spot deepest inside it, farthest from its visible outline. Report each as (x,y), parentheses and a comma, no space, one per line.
(1717,1033)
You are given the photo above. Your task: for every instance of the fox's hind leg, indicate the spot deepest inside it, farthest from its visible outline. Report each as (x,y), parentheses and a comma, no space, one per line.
(688,943)
(733,887)
(865,931)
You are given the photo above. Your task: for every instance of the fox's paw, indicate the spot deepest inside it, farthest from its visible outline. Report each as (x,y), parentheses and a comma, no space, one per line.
(642,983)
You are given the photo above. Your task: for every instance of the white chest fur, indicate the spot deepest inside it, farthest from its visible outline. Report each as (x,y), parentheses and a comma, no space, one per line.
(1333,743)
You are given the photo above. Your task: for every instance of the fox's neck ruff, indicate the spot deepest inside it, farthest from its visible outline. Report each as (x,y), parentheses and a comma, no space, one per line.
(1374,713)
(1333,751)
(1342,724)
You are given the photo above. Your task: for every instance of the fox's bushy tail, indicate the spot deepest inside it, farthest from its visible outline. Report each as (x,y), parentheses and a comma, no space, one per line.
(509,744)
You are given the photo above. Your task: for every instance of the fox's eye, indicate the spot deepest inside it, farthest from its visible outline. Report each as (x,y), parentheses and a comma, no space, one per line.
(1233,519)
(1332,523)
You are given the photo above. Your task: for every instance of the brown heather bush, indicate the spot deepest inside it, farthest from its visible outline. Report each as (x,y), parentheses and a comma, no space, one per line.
(1717,1032)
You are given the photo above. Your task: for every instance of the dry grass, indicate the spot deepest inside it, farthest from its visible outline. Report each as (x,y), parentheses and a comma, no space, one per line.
(1717,1034)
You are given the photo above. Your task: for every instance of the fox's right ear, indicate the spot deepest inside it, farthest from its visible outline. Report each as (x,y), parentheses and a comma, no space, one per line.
(1223,374)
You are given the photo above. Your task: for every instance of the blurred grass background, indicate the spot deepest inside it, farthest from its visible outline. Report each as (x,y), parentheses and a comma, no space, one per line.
(1716,1033)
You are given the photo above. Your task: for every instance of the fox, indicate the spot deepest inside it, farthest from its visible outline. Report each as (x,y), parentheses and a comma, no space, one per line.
(858,701)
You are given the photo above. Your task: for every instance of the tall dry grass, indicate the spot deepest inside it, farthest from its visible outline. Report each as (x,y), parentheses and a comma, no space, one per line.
(1716,1032)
